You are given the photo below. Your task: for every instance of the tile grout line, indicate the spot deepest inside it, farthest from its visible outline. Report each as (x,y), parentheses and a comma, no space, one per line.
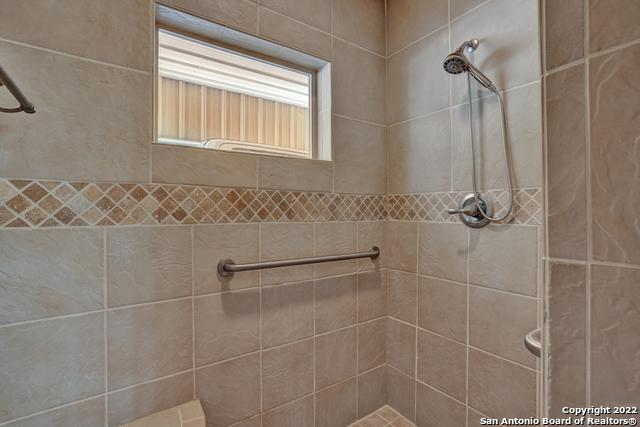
(260,323)
(193,309)
(589,213)
(105,319)
(76,57)
(313,299)
(466,396)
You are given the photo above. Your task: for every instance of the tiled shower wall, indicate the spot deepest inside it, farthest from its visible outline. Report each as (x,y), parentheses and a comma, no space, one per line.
(104,319)
(592,109)
(461,300)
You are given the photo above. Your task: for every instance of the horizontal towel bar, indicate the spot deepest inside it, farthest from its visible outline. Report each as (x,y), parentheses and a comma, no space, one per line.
(227,267)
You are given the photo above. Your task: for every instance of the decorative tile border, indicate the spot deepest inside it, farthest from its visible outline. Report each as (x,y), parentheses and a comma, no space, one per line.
(433,206)
(27,203)
(42,203)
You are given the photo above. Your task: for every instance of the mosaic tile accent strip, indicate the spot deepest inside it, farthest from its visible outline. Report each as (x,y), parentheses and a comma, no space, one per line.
(40,203)
(433,206)
(36,203)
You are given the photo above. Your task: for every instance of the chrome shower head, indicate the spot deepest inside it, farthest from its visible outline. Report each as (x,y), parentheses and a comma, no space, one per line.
(456,63)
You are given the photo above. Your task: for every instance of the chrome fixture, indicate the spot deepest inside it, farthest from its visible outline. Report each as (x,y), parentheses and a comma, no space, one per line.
(25,105)
(456,63)
(533,342)
(227,267)
(469,212)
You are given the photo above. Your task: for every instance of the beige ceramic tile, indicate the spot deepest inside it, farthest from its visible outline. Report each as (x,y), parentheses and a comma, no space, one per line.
(249,422)
(500,388)
(333,238)
(567,307)
(564,25)
(614,157)
(388,413)
(401,392)
(403,292)
(230,391)
(287,373)
(336,405)
(167,418)
(474,418)
(401,422)
(442,250)
(401,346)
(458,7)
(287,313)
(442,307)
(509,34)
(335,357)
(400,246)
(212,243)
(420,155)
(316,13)
(226,325)
(612,23)
(566,164)
(294,174)
(505,258)
(437,409)
(38,357)
(191,410)
(335,303)
(149,398)
(358,83)
(361,22)
(442,363)
(360,157)
(498,323)
(292,33)
(413,73)
(88,413)
(50,273)
(615,296)
(373,420)
(372,294)
(172,164)
(148,264)
(371,344)
(372,234)
(372,390)
(114,147)
(298,413)
(127,26)
(285,241)
(240,14)
(409,20)
(523,112)
(138,339)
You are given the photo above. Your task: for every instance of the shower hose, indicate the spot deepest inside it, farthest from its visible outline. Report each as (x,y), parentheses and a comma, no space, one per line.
(505,152)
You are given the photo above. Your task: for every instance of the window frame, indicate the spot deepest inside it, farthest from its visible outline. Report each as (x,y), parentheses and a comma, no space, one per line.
(316,149)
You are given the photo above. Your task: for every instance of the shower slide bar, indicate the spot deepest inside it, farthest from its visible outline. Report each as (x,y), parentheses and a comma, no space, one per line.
(227,267)
(25,105)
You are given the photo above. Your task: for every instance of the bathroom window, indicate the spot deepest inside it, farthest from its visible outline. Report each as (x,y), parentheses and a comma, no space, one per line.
(214,97)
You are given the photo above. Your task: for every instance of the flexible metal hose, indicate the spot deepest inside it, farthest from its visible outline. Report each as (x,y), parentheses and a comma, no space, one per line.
(505,152)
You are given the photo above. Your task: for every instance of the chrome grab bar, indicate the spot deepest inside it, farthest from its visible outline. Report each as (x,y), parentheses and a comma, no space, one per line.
(25,105)
(533,342)
(227,267)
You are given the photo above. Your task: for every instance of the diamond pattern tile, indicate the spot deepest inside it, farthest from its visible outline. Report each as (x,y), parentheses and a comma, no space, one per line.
(25,203)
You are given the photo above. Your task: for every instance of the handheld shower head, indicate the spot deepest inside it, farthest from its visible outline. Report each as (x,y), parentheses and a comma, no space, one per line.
(456,63)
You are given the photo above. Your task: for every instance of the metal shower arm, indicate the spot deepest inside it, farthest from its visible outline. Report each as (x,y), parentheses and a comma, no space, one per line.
(25,105)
